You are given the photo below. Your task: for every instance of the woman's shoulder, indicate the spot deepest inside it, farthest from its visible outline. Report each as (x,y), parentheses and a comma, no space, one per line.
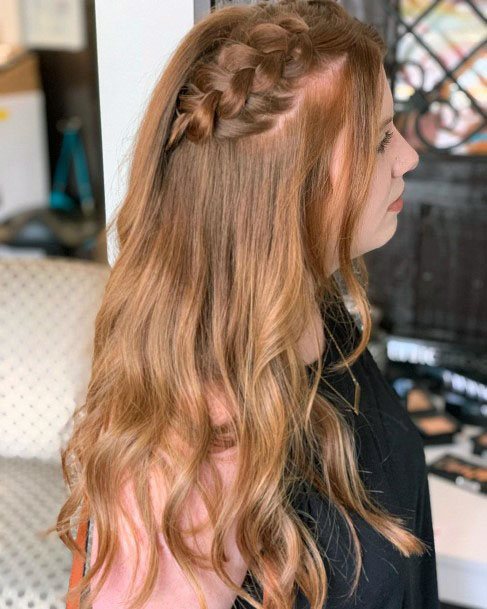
(397,420)
(383,567)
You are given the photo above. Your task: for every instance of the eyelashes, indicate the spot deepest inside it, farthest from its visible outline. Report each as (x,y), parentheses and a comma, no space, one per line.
(387,138)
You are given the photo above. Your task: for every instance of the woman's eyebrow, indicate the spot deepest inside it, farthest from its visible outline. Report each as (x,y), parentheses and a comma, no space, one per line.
(386,122)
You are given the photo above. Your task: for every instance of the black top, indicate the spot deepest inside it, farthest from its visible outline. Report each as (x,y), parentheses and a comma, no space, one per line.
(392,465)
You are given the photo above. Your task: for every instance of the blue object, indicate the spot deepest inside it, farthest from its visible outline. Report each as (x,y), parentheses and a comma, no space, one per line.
(402,386)
(72,148)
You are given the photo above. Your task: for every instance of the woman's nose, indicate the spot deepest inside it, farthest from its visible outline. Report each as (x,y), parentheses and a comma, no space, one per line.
(406,159)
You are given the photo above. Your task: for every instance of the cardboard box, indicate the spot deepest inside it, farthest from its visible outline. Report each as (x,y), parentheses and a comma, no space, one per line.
(24,161)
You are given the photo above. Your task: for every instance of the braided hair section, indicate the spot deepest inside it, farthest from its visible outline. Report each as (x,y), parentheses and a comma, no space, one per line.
(247,83)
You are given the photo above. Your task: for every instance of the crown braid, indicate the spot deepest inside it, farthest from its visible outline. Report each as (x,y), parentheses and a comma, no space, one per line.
(248,82)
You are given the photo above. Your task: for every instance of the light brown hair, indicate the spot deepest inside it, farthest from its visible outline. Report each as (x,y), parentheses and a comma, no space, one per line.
(224,237)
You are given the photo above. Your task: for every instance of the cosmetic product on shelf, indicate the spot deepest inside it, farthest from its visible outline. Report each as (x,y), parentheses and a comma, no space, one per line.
(437,428)
(415,395)
(419,402)
(469,411)
(463,472)
(480,444)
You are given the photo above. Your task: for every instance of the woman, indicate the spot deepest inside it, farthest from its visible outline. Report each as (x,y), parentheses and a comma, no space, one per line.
(237,438)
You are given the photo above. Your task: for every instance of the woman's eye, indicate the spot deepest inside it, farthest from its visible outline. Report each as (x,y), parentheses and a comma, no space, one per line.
(385,141)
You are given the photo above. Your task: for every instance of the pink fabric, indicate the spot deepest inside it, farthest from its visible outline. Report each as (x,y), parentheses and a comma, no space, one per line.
(172,590)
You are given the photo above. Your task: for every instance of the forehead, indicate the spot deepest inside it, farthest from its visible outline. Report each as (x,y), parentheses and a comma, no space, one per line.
(387,100)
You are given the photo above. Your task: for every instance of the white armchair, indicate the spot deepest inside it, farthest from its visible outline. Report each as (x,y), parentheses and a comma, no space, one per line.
(47,313)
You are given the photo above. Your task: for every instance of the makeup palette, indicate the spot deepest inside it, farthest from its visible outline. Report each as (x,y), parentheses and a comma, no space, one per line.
(415,396)
(480,444)
(462,472)
(419,402)
(437,428)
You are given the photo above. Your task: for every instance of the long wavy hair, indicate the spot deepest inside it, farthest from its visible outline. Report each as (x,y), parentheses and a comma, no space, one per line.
(225,235)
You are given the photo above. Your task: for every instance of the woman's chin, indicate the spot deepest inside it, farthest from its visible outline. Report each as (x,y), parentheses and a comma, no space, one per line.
(381,238)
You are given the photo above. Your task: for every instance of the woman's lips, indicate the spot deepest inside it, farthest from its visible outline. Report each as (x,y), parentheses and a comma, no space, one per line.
(396,205)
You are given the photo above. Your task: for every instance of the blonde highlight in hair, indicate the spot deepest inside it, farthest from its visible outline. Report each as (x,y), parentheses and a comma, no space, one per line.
(224,237)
